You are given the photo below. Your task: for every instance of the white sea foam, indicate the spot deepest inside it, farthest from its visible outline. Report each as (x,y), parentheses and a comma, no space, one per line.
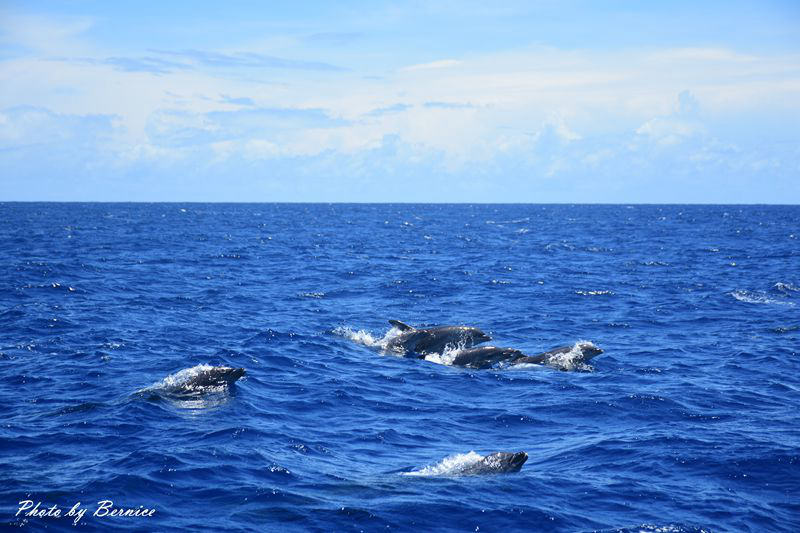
(365,337)
(452,465)
(178,379)
(595,293)
(448,355)
(757,297)
(312,295)
(669,528)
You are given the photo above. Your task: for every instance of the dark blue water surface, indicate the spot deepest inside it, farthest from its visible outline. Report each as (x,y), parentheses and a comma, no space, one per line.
(689,421)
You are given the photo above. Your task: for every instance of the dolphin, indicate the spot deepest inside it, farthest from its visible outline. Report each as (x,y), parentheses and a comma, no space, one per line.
(484,356)
(487,356)
(587,351)
(418,342)
(216,376)
(201,386)
(196,381)
(497,463)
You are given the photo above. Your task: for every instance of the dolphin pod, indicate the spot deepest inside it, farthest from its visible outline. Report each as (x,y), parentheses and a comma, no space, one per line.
(488,356)
(410,342)
(413,342)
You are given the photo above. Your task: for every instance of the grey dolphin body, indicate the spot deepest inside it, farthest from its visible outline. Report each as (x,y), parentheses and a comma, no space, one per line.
(497,463)
(187,383)
(487,356)
(194,383)
(412,341)
(217,376)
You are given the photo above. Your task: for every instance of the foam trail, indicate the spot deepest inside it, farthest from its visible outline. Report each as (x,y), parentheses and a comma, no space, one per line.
(366,338)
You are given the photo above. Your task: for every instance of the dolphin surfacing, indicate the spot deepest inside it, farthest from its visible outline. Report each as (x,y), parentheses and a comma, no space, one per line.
(197,381)
(497,463)
(472,464)
(217,376)
(584,352)
(419,342)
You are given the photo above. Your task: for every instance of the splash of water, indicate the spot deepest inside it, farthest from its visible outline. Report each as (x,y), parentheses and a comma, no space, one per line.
(786,287)
(573,359)
(452,465)
(366,338)
(178,379)
(448,355)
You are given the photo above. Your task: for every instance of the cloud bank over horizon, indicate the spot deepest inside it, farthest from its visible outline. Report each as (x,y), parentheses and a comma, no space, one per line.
(421,103)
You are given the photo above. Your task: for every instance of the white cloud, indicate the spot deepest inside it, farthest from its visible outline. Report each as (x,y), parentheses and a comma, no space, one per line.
(442,63)
(537,111)
(703,55)
(668,130)
(43,34)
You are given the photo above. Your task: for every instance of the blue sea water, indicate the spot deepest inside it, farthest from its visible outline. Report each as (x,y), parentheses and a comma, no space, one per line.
(688,422)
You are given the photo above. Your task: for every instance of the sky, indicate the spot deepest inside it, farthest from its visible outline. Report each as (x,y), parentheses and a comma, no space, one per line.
(384,101)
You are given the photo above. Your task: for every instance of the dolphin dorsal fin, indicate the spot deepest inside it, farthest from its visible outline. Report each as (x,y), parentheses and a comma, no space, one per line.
(399,325)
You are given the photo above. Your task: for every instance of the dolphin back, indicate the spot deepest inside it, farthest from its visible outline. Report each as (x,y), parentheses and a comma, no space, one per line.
(413,341)
(216,376)
(485,356)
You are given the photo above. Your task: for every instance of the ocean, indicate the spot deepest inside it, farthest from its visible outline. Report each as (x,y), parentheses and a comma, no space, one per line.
(687,422)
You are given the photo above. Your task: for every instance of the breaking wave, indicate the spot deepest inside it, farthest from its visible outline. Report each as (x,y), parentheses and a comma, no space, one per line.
(758,297)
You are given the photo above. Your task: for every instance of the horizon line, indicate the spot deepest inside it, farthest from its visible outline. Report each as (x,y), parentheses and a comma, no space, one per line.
(293,202)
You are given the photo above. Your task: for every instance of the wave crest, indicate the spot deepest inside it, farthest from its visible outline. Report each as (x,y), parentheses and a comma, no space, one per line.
(757,297)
